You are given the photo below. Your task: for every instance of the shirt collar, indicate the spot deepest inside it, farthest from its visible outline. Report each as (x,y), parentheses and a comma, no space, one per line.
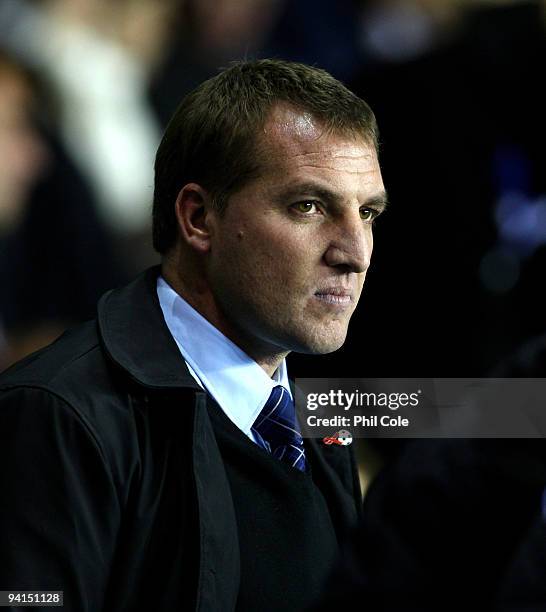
(237,383)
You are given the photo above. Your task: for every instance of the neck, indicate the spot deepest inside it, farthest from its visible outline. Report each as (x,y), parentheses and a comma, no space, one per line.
(268,360)
(267,356)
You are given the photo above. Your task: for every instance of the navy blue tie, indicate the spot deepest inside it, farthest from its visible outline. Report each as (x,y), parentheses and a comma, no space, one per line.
(276,429)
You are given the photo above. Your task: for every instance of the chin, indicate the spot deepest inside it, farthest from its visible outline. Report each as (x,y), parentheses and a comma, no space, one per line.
(321,345)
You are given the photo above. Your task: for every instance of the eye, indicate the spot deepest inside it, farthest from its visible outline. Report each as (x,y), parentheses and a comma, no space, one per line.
(306,207)
(368,214)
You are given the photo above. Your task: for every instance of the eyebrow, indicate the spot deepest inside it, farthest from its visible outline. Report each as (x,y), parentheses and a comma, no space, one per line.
(379,201)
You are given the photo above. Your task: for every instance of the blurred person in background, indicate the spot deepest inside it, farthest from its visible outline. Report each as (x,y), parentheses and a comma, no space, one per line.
(24,158)
(74,226)
(97,58)
(55,255)
(24,155)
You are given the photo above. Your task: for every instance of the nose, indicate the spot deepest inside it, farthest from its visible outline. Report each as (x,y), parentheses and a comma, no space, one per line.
(351,245)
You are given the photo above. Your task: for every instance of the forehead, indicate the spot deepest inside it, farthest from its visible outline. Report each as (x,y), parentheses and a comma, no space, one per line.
(293,140)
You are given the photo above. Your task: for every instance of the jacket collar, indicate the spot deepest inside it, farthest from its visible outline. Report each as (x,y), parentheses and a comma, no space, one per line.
(135,336)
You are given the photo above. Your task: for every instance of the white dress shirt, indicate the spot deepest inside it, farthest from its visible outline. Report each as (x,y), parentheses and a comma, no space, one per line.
(237,383)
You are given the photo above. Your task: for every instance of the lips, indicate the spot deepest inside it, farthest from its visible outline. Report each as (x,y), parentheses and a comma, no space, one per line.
(335,295)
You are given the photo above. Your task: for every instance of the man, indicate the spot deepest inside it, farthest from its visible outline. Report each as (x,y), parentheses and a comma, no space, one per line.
(155,461)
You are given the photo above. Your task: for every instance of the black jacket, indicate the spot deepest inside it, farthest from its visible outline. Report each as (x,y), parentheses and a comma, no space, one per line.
(112,487)
(450,525)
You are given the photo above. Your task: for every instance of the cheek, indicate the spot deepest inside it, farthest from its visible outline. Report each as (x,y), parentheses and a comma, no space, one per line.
(290,263)
(276,251)
(266,259)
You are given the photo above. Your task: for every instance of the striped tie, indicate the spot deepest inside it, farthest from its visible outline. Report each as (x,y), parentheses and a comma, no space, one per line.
(277,431)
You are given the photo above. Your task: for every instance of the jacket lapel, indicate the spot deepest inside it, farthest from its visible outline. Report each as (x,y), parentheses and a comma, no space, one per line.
(219,571)
(136,338)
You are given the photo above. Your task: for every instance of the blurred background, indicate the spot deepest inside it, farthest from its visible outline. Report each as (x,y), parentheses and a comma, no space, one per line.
(457,280)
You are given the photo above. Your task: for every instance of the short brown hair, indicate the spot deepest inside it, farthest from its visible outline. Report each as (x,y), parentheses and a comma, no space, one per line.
(211,139)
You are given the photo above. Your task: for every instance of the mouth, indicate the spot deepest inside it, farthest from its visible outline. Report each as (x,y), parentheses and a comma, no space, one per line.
(334,296)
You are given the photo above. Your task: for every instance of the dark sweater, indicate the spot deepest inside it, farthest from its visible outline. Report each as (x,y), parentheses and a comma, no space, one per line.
(286,537)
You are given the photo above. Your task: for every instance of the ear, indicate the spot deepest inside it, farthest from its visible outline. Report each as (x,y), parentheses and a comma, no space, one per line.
(192,208)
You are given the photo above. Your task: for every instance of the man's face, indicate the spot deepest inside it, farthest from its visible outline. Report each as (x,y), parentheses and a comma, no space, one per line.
(289,255)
